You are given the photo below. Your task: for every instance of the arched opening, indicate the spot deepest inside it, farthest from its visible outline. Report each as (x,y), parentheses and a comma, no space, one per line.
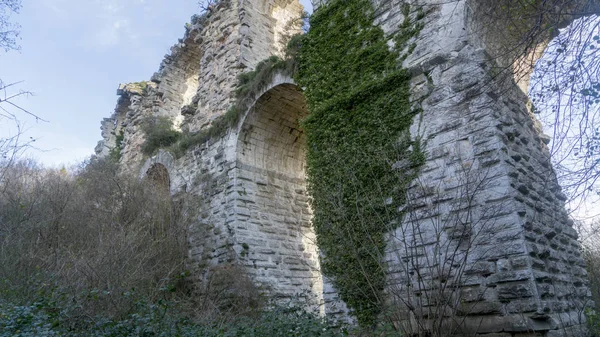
(274,234)
(271,138)
(178,79)
(158,175)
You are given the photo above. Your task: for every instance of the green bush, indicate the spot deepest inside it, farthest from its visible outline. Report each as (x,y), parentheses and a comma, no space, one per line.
(159,134)
(115,153)
(593,321)
(31,320)
(44,318)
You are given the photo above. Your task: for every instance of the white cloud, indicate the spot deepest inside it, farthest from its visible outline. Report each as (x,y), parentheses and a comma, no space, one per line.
(112,33)
(112,25)
(58,8)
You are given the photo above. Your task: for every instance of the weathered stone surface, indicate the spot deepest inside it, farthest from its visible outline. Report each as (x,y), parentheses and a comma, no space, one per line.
(484,223)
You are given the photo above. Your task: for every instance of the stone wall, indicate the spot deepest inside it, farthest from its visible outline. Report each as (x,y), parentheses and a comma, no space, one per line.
(273,224)
(485,237)
(485,243)
(248,187)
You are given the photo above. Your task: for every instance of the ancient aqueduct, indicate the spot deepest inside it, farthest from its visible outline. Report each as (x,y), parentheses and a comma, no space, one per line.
(528,277)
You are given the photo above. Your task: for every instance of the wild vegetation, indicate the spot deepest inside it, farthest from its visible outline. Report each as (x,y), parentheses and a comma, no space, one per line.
(98,253)
(104,254)
(159,131)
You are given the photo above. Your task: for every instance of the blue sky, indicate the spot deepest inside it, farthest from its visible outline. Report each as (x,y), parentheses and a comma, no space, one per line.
(74,53)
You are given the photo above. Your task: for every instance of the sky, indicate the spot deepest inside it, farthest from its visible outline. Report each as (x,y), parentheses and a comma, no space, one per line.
(570,134)
(74,54)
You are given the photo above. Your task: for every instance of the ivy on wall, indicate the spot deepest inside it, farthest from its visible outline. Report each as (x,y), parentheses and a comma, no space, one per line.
(357,133)
(357,129)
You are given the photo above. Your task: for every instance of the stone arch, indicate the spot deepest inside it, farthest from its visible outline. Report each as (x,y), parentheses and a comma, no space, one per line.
(158,171)
(158,175)
(274,235)
(178,78)
(270,136)
(515,35)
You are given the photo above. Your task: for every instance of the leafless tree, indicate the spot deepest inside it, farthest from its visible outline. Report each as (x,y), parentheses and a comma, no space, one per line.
(208,5)
(566,93)
(132,235)
(12,141)
(565,86)
(9,32)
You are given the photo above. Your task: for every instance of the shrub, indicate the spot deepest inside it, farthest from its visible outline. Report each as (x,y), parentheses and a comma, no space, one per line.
(46,319)
(97,253)
(159,134)
(115,153)
(592,257)
(90,236)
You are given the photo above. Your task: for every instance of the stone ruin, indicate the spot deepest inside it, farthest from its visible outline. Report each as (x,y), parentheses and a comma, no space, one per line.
(487,182)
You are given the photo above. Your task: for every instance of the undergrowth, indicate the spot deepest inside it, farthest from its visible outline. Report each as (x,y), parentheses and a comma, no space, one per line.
(92,236)
(98,253)
(50,318)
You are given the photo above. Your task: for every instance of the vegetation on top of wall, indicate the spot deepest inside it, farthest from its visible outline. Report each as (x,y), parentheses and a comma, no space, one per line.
(358,127)
(140,85)
(250,85)
(137,87)
(159,134)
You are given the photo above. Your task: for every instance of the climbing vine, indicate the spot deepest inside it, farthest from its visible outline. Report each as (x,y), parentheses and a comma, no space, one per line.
(357,129)
(357,133)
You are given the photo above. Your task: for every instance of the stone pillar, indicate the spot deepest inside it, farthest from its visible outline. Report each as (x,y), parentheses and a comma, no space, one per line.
(485,244)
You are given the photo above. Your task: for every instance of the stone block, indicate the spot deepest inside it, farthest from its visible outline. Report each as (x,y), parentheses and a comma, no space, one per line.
(510,291)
